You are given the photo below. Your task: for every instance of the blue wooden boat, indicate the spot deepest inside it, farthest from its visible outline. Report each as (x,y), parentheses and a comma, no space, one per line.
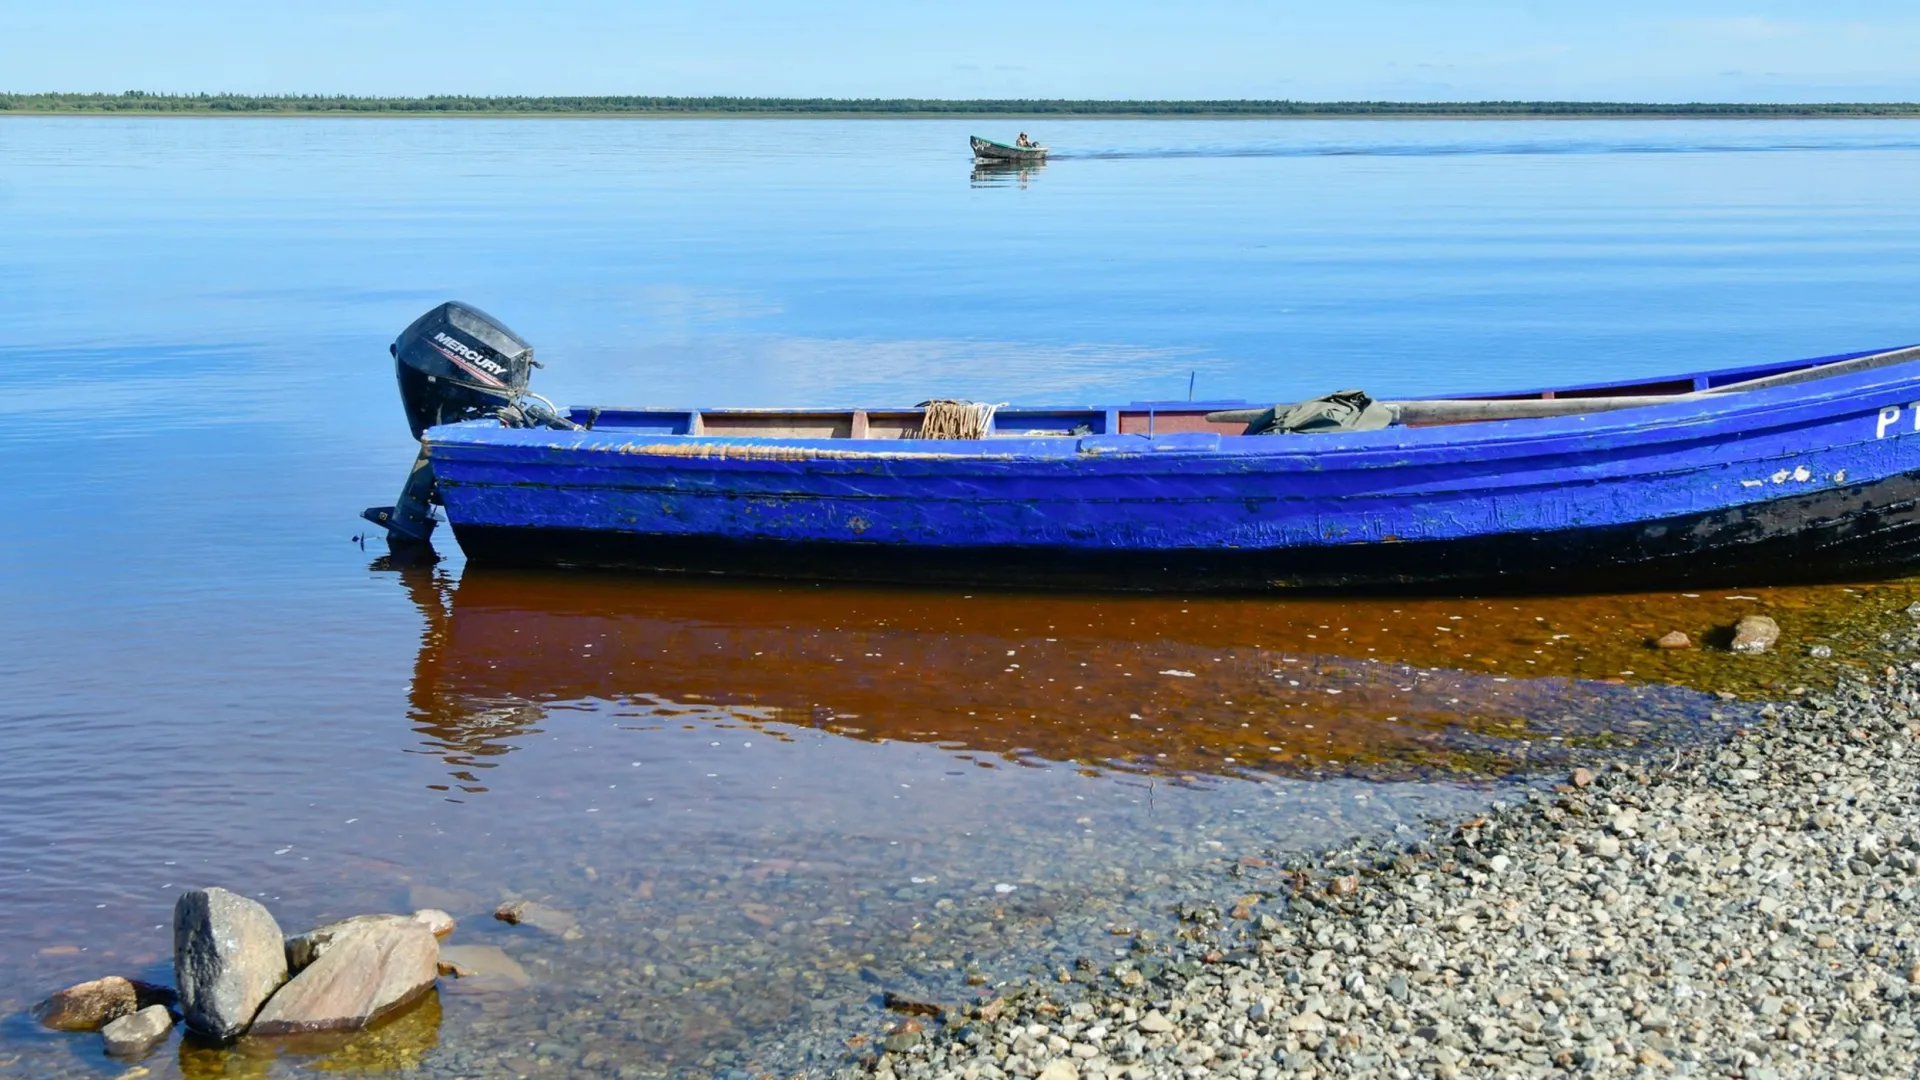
(1801,470)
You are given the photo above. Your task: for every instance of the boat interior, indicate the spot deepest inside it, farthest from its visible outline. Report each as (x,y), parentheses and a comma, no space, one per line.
(1223,417)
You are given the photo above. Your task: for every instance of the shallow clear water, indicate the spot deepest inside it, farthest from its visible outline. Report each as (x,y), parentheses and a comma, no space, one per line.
(203,679)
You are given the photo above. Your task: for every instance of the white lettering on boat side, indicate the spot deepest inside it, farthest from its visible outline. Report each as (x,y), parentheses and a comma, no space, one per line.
(1888,416)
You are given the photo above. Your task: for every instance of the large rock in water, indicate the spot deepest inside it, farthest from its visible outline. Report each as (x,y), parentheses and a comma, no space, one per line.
(366,969)
(305,948)
(308,947)
(228,958)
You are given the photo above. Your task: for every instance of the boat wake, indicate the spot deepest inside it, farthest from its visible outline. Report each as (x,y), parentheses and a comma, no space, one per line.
(1529,148)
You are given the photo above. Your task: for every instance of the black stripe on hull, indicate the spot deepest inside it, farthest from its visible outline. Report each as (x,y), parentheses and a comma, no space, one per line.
(1851,533)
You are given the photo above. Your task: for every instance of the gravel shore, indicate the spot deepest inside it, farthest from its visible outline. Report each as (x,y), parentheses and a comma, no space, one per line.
(1739,909)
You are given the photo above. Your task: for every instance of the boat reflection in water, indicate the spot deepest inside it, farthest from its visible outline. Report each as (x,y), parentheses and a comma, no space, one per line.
(1005,173)
(1174,688)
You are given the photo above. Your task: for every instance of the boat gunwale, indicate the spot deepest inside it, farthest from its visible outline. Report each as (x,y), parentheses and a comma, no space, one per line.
(1036,148)
(1781,406)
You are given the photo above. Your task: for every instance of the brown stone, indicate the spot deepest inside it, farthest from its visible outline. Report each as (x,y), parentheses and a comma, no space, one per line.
(1674,639)
(368,968)
(1581,778)
(482,969)
(89,1006)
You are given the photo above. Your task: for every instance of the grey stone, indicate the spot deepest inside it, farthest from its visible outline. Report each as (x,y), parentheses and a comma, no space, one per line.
(228,958)
(137,1032)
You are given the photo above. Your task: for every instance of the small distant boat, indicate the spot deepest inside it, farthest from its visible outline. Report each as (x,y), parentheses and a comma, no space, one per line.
(1797,470)
(988,150)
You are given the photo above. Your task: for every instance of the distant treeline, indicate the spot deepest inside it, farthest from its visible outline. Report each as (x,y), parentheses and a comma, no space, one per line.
(136,101)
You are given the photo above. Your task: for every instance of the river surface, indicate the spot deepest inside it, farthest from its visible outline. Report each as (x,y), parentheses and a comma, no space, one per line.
(766,804)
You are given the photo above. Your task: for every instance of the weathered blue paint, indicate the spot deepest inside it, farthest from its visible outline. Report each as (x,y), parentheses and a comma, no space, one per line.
(1814,477)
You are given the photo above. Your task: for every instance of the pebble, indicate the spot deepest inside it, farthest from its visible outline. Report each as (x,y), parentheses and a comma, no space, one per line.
(1673,639)
(1741,907)
(435,920)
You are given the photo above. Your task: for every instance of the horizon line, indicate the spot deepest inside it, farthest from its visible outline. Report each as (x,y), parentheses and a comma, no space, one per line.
(143,99)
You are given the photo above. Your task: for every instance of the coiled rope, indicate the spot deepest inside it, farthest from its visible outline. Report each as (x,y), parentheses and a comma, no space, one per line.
(950,419)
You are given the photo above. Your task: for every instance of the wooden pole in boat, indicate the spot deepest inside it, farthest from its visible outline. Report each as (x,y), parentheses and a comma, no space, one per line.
(1460,410)
(1823,371)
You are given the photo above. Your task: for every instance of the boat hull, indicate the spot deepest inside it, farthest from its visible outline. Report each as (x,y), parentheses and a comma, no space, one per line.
(1854,533)
(985,150)
(1793,483)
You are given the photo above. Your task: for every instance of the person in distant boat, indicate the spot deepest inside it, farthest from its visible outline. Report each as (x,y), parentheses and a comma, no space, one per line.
(1023,140)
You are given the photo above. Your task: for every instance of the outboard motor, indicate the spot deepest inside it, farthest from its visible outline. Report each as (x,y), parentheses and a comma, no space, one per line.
(457,363)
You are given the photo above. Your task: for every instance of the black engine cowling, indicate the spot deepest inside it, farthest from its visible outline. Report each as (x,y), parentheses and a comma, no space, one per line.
(458,363)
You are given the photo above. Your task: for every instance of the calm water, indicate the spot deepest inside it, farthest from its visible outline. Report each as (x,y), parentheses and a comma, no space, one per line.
(756,799)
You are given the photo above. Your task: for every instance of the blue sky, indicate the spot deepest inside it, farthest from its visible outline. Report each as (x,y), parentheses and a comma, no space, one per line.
(1613,49)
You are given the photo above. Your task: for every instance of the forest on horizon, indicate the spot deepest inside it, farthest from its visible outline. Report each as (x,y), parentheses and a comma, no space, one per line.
(135,101)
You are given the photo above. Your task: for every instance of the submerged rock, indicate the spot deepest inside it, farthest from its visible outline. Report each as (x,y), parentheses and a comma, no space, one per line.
(482,969)
(228,958)
(137,1032)
(550,920)
(1755,634)
(444,899)
(1674,639)
(365,969)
